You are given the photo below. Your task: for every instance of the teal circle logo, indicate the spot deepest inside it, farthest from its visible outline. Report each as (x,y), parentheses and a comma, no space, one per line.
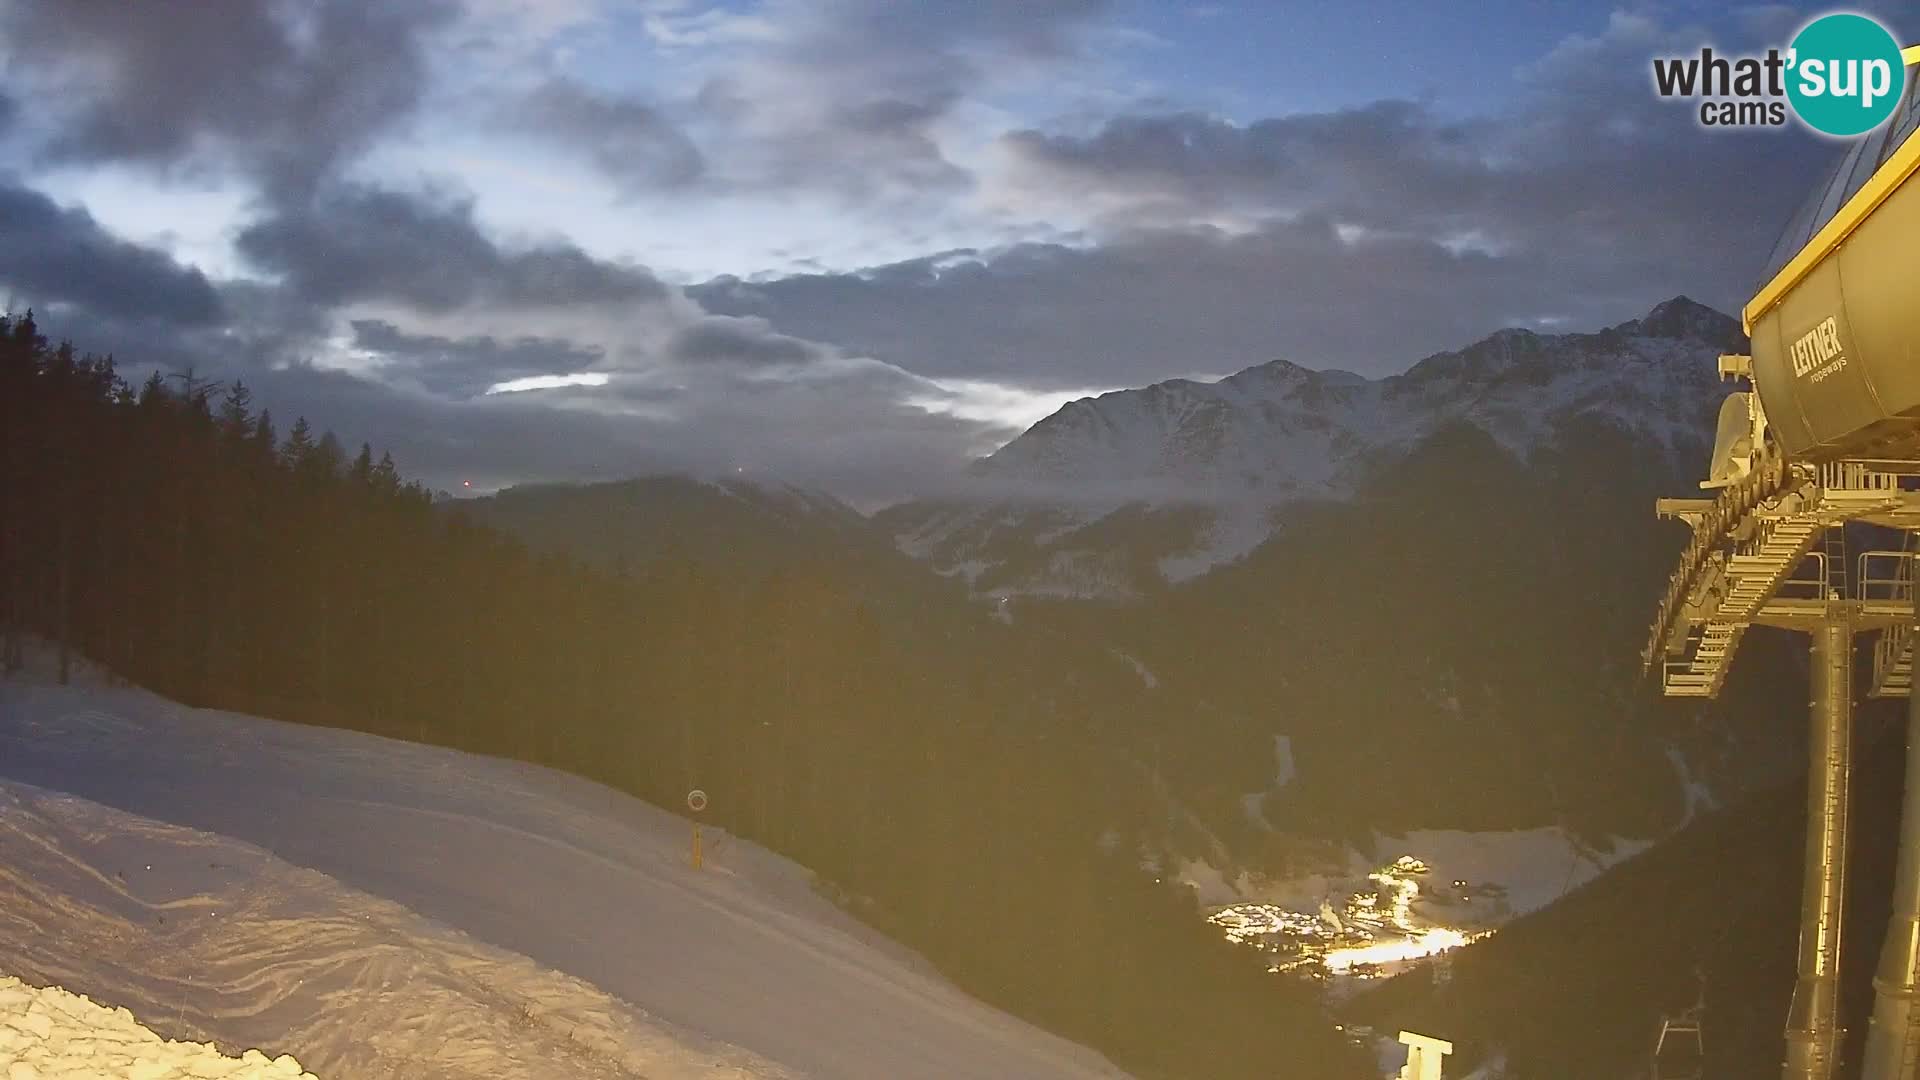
(1845,74)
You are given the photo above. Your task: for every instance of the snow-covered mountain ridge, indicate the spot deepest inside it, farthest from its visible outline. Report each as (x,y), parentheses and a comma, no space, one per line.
(1212,461)
(1279,430)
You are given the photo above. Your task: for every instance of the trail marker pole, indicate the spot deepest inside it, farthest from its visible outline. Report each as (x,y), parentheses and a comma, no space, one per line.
(696,802)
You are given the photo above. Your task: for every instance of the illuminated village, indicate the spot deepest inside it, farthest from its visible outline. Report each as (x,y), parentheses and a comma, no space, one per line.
(1381,928)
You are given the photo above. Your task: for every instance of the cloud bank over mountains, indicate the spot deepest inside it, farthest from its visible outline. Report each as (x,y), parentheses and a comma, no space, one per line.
(848,243)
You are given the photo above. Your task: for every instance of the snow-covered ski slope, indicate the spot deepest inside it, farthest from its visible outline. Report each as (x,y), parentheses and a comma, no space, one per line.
(210,939)
(377,908)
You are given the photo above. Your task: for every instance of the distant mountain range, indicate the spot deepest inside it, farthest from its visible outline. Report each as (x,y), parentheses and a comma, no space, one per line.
(1432,586)
(1110,496)
(1423,594)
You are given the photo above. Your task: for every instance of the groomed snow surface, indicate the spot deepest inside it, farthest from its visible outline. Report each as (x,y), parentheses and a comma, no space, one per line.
(379,909)
(49,1034)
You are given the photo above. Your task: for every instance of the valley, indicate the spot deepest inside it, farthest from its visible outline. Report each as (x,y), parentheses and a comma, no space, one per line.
(818,539)
(1489,748)
(1360,743)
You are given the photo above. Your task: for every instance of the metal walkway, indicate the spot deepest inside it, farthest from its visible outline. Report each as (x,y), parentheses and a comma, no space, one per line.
(1752,562)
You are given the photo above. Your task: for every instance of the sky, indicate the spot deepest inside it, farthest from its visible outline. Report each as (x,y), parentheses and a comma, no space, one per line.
(848,244)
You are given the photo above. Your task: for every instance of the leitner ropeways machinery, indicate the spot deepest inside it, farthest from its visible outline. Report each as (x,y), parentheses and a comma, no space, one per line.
(1827,435)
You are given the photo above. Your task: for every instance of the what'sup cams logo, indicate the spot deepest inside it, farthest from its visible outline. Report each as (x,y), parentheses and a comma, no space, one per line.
(1842,75)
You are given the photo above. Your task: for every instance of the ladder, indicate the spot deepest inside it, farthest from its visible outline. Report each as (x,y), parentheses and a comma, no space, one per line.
(1835,546)
(1893,653)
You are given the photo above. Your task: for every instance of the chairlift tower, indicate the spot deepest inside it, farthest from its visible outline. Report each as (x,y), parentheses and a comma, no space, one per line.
(1827,434)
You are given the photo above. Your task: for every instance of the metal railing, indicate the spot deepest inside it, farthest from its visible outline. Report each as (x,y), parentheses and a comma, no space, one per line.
(1885,575)
(1795,587)
(1888,576)
(1857,476)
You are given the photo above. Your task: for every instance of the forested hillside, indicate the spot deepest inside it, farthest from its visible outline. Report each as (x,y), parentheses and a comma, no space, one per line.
(1454,647)
(950,781)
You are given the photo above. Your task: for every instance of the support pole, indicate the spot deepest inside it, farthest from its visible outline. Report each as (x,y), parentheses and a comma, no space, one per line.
(1893,1035)
(1813,1023)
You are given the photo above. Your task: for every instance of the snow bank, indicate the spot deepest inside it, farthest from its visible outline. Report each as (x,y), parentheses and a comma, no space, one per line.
(1534,866)
(378,897)
(214,940)
(49,1034)
(40,665)
(1236,529)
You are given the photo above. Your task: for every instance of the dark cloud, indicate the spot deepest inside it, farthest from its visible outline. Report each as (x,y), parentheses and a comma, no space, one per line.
(287,90)
(830,422)
(626,139)
(559,275)
(846,429)
(1365,159)
(9,111)
(1152,304)
(1589,170)
(50,255)
(1363,238)
(490,440)
(685,390)
(740,341)
(356,243)
(847,93)
(465,367)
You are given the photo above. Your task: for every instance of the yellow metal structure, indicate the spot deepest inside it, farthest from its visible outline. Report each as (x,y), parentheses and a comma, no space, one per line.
(1885,181)
(1828,434)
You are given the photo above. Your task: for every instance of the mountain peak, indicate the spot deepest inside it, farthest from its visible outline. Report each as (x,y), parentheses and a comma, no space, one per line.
(1209,464)
(1279,432)
(1683,317)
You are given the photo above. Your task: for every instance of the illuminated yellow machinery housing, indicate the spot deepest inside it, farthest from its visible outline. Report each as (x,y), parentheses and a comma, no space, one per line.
(1828,435)
(1836,326)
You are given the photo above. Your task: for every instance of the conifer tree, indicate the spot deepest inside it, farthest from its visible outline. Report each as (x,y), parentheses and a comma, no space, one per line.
(235,421)
(153,392)
(386,476)
(361,472)
(323,465)
(264,441)
(299,446)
